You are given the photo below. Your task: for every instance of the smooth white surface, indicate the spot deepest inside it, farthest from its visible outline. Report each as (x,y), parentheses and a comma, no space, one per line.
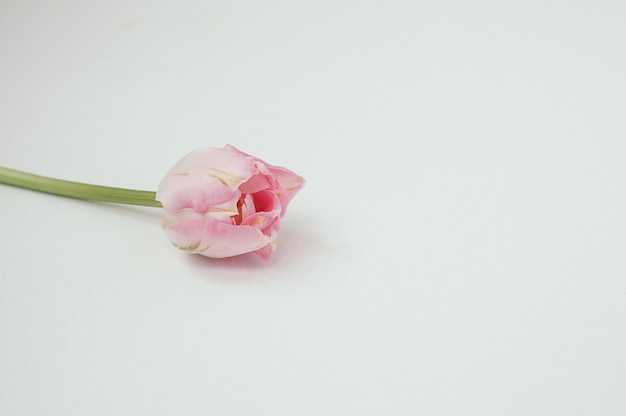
(458,249)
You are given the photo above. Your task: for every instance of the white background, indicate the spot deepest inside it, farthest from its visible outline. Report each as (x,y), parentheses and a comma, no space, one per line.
(459,248)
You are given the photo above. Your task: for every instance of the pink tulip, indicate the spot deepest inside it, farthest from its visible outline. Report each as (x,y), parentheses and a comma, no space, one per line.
(223,202)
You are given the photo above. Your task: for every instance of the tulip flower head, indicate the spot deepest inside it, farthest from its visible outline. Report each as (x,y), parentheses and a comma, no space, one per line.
(221,202)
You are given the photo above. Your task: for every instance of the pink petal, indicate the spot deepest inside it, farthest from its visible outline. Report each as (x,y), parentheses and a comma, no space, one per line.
(261,220)
(205,177)
(248,208)
(266,201)
(288,185)
(212,238)
(255,184)
(266,251)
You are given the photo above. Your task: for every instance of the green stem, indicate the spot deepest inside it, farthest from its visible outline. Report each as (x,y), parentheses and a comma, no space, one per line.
(76,189)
